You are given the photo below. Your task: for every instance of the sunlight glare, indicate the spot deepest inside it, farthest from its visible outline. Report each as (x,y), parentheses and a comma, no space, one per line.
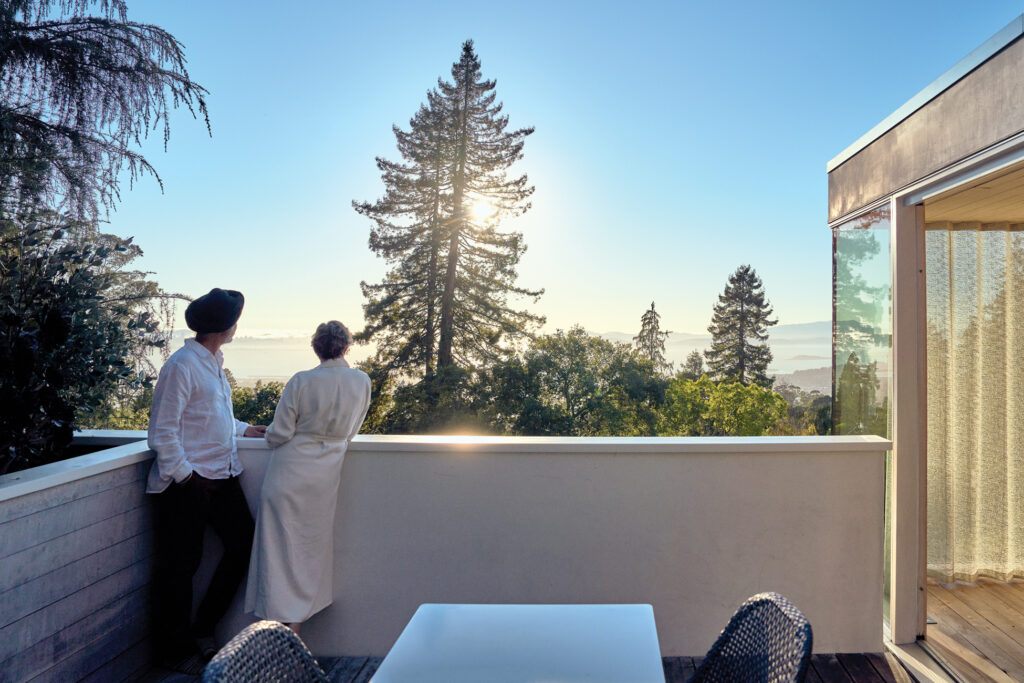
(483,209)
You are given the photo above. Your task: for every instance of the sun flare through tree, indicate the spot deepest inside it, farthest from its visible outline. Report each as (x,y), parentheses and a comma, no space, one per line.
(444,304)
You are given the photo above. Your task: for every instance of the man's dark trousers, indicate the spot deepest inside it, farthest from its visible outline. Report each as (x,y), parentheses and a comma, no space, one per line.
(183,512)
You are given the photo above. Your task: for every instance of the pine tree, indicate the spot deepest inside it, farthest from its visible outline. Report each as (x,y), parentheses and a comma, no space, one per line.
(444,301)
(409,232)
(693,368)
(739,331)
(480,268)
(650,343)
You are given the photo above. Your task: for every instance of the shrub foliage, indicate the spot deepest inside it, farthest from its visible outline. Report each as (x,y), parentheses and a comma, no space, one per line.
(66,340)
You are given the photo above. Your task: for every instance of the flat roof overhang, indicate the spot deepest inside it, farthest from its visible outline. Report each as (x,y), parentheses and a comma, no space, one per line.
(977,103)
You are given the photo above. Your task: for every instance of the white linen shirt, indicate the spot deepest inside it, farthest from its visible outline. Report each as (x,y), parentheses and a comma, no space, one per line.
(192,427)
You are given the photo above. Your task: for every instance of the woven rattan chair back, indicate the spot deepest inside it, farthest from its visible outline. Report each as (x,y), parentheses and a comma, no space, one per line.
(264,651)
(768,640)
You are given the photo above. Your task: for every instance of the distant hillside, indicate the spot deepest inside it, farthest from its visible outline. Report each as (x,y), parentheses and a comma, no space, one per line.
(817,379)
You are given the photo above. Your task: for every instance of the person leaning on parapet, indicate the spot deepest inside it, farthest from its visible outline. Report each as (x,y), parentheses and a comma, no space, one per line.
(192,428)
(291,575)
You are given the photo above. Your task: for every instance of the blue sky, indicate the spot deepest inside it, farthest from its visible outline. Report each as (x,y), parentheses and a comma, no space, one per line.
(674,142)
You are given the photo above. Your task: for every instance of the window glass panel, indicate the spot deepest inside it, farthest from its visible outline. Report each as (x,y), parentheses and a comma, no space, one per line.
(862,333)
(862,341)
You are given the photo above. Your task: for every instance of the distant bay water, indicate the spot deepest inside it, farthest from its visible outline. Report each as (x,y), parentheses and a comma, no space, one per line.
(802,352)
(268,355)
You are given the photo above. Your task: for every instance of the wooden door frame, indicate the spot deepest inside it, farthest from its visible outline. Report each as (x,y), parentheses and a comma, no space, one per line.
(909,522)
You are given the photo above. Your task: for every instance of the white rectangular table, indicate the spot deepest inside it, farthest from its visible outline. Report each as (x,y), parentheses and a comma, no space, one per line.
(520,643)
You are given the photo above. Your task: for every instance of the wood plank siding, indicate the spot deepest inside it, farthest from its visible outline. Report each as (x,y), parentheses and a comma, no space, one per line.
(75,567)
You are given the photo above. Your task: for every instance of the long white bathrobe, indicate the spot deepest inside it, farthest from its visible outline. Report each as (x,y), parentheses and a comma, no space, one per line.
(292,568)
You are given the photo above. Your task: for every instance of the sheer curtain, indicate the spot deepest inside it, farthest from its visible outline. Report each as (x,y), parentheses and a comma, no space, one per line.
(975,301)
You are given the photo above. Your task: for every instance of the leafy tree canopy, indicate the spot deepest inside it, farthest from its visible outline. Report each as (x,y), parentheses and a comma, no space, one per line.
(66,342)
(703,408)
(256,405)
(573,383)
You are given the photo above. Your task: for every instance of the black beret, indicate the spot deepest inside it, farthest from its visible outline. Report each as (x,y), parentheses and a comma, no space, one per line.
(216,311)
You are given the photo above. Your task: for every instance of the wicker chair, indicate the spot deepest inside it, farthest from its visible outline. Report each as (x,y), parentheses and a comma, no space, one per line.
(264,651)
(767,640)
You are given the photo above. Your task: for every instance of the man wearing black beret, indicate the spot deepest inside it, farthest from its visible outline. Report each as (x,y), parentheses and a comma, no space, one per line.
(192,428)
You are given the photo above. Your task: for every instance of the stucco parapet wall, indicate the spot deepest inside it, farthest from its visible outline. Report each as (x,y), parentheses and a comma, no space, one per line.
(689,525)
(550,445)
(129,447)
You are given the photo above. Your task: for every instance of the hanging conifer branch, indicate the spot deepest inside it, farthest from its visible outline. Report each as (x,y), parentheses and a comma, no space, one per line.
(77,93)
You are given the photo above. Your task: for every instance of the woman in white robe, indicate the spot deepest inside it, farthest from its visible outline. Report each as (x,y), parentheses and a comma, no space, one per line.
(292,567)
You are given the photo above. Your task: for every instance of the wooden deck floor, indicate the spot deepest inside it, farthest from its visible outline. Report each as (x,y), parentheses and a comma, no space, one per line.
(979,629)
(864,668)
